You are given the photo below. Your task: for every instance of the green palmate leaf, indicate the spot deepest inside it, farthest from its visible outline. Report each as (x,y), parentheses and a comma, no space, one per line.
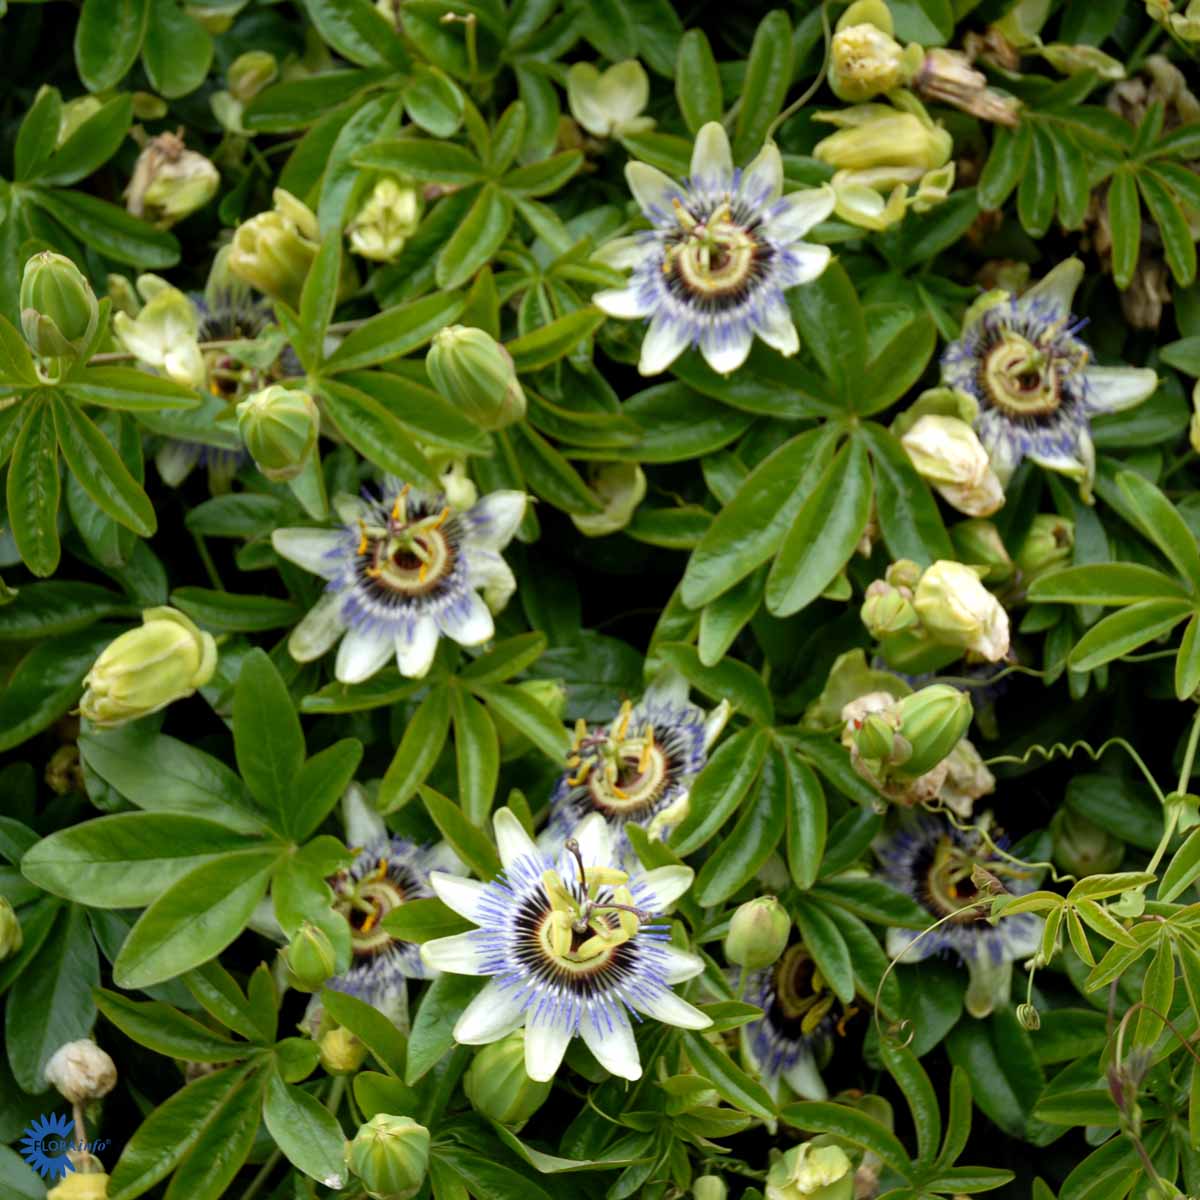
(319,785)
(95,141)
(341,181)
(307,1132)
(528,715)
(51,1001)
(126,860)
(506,659)
(897,366)
(807,822)
(423,160)
(375,432)
(107,40)
(357,32)
(819,1116)
(554,341)
(1158,990)
(205,1126)
(33,490)
(37,134)
(472,846)
(719,788)
(1125,220)
(422,920)
(477,755)
(433,1030)
(109,229)
(195,918)
(824,533)
(1124,631)
(908,514)
(750,528)
(422,743)
(224,612)
(1005,165)
(267,736)
(918,1092)
(1160,521)
(433,101)
(697,81)
(833,329)
(741,855)
(827,946)
(1187,664)
(319,296)
(476,240)
(55,607)
(722,620)
(768,75)
(97,466)
(394,332)
(1036,192)
(16,362)
(728,680)
(166,1030)
(130,390)
(1179,246)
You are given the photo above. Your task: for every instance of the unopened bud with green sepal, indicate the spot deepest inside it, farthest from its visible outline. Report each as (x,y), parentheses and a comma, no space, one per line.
(476,374)
(341,1052)
(758,933)
(498,1086)
(932,721)
(279,426)
(811,1172)
(390,1155)
(11,937)
(1048,545)
(311,958)
(709,1187)
(165,659)
(59,310)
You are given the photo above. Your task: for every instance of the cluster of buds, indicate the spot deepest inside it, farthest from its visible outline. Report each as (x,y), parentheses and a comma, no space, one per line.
(59,311)
(878,152)
(609,103)
(169,181)
(279,426)
(946,452)
(901,746)
(476,374)
(758,933)
(385,221)
(498,1087)
(390,1155)
(274,250)
(166,659)
(620,488)
(815,1170)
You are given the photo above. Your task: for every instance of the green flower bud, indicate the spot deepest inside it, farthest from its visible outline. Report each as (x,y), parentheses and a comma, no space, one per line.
(148,107)
(758,933)
(932,721)
(391,1156)
(311,958)
(709,1187)
(978,543)
(144,670)
(170,182)
(1083,848)
(341,1052)
(58,308)
(279,426)
(1070,60)
(903,573)
(74,113)
(11,937)
(811,1172)
(475,373)
(498,1087)
(957,610)
(1047,546)
(551,694)
(274,250)
(877,135)
(249,73)
(620,487)
(887,610)
(387,219)
(609,103)
(878,740)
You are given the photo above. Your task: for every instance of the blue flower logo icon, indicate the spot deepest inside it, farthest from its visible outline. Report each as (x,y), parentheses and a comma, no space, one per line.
(45,1144)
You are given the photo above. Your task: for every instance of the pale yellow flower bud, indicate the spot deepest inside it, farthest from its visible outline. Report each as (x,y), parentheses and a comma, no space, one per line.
(81,1071)
(620,487)
(498,1087)
(957,610)
(165,333)
(811,1172)
(11,937)
(390,1155)
(249,73)
(877,135)
(59,310)
(144,670)
(279,426)
(946,452)
(758,933)
(387,219)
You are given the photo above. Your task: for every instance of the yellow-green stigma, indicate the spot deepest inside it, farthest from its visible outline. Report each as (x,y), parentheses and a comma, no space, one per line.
(1025,380)
(407,555)
(715,257)
(623,769)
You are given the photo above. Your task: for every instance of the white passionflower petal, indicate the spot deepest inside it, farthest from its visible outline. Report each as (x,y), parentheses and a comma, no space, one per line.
(712,159)
(595,840)
(415,648)
(778,330)
(361,654)
(805,1080)
(512,841)
(667,883)
(469,623)
(546,1041)
(1056,289)
(360,818)
(464,896)
(665,340)
(726,349)
(794,215)
(626,302)
(681,966)
(493,1014)
(318,629)
(316,550)
(1114,389)
(671,1009)
(762,180)
(610,1039)
(458,954)
(653,190)
(495,518)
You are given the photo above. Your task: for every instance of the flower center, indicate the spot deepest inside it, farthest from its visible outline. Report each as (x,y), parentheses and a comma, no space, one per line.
(624,771)
(364,903)
(801,993)
(716,256)
(408,554)
(949,888)
(1025,379)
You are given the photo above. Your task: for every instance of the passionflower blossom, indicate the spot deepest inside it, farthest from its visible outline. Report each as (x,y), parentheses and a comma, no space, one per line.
(387,872)
(935,863)
(724,246)
(637,769)
(403,570)
(1034,387)
(574,948)
(800,1013)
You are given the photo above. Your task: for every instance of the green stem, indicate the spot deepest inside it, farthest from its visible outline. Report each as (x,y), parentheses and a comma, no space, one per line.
(1185,775)
(334,1100)
(259,1181)
(210,567)
(811,90)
